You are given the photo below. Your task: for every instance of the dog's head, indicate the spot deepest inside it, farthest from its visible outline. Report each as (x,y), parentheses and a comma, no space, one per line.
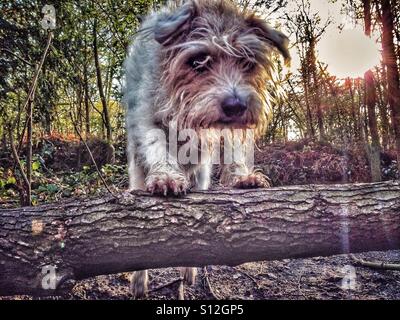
(215,65)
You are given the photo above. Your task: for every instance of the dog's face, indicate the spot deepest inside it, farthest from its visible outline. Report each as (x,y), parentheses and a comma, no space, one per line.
(215,65)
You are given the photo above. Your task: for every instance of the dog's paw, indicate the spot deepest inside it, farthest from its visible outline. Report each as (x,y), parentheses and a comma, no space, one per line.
(167,183)
(252,181)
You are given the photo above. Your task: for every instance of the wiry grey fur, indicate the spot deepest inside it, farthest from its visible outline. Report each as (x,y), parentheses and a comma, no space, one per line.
(166,85)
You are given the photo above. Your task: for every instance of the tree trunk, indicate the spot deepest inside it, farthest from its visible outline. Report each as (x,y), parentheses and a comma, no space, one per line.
(316,90)
(84,238)
(367,17)
(28,152)
(375,146)
(359,109)
(107,123)
(86,89)
(336,104)
(383,115)
(310,124)
(306,84)
(354,114)
(393,79)
(86,100)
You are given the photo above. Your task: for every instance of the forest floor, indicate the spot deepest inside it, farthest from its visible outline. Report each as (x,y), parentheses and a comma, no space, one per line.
(60,174)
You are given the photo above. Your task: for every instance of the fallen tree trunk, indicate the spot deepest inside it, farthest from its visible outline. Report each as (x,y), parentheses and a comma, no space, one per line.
(84,238)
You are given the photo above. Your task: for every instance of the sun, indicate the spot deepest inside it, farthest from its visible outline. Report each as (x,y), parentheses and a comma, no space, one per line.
(349,53)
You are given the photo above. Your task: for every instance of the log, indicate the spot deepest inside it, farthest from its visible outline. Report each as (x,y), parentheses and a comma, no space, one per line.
(82,238)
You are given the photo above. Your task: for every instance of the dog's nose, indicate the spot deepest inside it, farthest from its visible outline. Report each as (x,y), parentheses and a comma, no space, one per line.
(233,106)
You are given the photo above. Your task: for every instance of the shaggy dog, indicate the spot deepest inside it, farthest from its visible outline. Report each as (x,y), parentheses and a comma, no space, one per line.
(203,65)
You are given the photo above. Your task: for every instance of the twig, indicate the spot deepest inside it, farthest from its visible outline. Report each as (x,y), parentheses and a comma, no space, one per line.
(375,265)
(17,159)
(165,285)
(34,84)
(28,123)
(18,57)
(209,284)
(101,113)
(248,276)
(91,157)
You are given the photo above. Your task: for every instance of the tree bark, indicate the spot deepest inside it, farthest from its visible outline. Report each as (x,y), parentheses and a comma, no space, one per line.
(310,124)
(360,110)
(393,77)
(84,238)
(375,146)
(86,88)
(316,90)
(383,114)
(367,17)
(354,119)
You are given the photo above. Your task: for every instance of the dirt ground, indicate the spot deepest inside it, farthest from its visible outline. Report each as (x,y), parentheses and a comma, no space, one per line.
(299,279)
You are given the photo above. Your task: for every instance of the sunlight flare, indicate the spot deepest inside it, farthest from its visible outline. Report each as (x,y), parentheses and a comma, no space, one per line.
(349,53)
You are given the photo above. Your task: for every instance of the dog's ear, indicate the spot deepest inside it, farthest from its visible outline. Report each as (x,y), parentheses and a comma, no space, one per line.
(171,25)
(274,37)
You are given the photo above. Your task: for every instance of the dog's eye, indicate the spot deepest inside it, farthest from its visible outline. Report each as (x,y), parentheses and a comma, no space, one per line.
(200,63)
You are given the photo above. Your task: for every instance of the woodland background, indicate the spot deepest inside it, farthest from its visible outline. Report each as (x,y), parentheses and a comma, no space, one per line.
(60,95)
(346,130)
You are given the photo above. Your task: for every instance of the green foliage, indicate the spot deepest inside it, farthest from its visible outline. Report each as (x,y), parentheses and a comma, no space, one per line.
(68,80)
(35,165)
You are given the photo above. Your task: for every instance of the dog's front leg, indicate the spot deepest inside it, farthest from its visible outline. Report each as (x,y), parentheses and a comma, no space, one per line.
(162,173)
(240,173)
(237,170)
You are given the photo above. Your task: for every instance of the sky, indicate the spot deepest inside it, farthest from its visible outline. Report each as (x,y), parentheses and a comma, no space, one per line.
(348,53)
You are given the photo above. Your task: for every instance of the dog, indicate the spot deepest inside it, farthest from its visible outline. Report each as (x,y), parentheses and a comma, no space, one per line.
(202,65)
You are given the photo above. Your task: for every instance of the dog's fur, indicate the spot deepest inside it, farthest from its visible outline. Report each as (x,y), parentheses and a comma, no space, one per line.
(185,62)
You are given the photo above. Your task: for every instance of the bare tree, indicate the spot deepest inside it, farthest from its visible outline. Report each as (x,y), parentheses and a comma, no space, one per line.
(392,71)
(308,29)
(375,147)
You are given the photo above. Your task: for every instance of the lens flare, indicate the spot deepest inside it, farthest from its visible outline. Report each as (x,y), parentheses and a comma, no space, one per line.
(349,53)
